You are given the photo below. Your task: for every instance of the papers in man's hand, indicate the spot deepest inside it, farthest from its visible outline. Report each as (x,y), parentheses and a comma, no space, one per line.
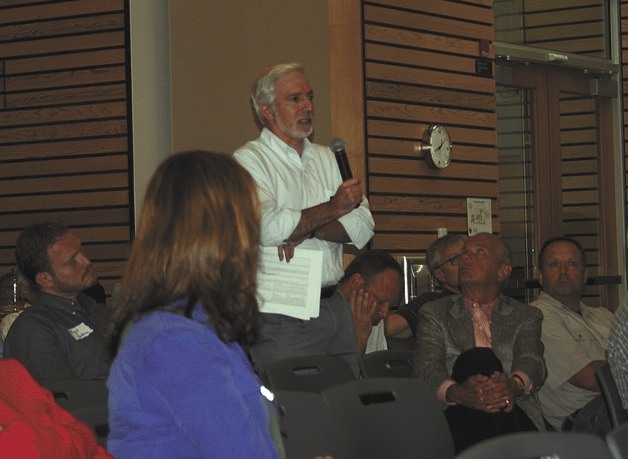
(292,289)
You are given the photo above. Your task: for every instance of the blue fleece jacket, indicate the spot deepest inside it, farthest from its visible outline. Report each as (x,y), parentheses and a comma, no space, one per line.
(177,390)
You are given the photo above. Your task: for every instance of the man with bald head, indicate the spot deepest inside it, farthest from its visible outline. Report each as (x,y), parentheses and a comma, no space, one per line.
(481,351)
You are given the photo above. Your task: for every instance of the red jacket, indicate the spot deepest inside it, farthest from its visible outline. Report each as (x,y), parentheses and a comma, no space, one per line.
(32,425)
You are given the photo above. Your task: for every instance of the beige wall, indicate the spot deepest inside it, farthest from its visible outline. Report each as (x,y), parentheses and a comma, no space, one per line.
(150,80)
(217,48)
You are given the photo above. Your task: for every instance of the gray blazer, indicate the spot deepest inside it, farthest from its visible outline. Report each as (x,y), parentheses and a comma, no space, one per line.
(445,330)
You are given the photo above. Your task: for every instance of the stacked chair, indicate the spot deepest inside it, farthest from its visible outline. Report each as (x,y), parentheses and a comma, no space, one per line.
(396,363)
(329,412)
(617,439)
(307,426)
(389,417)
(617,412)
(312,373)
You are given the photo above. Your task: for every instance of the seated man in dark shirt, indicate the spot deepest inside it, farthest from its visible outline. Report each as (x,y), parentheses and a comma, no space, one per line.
(442,262)
(63,335)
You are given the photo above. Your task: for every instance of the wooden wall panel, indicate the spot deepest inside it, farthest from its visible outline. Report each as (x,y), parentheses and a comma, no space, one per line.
(624,61)
(420,68)
(64,126)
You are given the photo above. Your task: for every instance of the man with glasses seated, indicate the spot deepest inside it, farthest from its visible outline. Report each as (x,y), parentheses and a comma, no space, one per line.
(442,260)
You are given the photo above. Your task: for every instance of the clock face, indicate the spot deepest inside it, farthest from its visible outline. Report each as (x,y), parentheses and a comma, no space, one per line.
(440,146)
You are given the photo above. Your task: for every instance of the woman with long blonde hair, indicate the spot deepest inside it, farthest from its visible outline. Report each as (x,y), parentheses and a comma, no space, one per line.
(181,384)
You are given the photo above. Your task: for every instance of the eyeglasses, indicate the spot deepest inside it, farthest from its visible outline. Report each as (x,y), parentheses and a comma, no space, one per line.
(453,261)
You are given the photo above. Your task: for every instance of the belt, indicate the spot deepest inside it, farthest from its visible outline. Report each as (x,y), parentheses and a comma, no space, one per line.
(328,291)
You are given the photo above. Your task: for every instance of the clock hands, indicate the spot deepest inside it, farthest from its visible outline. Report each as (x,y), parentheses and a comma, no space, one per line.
(436,146)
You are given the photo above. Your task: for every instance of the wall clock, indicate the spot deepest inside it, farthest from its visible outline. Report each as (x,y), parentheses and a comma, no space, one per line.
(437,146)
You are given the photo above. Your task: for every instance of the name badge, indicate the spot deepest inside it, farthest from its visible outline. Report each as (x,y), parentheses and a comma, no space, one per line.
(80,331)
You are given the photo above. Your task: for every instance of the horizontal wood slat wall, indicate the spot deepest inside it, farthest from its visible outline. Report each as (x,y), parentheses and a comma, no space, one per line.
(64,126)
(420,68)
(624,62)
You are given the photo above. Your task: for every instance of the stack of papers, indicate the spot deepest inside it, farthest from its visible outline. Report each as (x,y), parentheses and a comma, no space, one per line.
(290,288)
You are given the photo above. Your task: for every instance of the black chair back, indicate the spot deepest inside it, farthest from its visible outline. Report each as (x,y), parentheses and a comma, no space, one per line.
(605,378)
(528,445)
(307,427)
(389,417)
(313,373)
(617,441)
(397,363)
(86,400)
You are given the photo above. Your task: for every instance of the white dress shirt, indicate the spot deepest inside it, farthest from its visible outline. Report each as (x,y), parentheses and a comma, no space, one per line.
(288,183)
(571,341)
(377,339)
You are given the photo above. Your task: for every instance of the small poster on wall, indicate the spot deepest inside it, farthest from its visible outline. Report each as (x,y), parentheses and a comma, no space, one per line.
(479,216)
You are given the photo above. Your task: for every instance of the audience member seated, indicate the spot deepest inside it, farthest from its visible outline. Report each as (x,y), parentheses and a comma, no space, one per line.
(32,425)
(372,282)
(181,384)
(575,337)
(617,350)
(442,260)
(25,296)
(481,351)
(63,334)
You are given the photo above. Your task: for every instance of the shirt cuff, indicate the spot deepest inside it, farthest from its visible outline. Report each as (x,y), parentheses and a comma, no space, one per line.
(527,382)
(359,225)
(442,390)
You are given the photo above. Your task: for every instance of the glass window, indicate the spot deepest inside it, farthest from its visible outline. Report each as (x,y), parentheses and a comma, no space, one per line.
(570,26)
(516,193)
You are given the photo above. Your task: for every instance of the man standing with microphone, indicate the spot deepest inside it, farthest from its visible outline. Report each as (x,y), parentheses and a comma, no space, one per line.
(304,202)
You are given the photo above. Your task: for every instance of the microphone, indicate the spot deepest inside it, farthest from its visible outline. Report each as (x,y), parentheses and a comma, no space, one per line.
(338,147)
